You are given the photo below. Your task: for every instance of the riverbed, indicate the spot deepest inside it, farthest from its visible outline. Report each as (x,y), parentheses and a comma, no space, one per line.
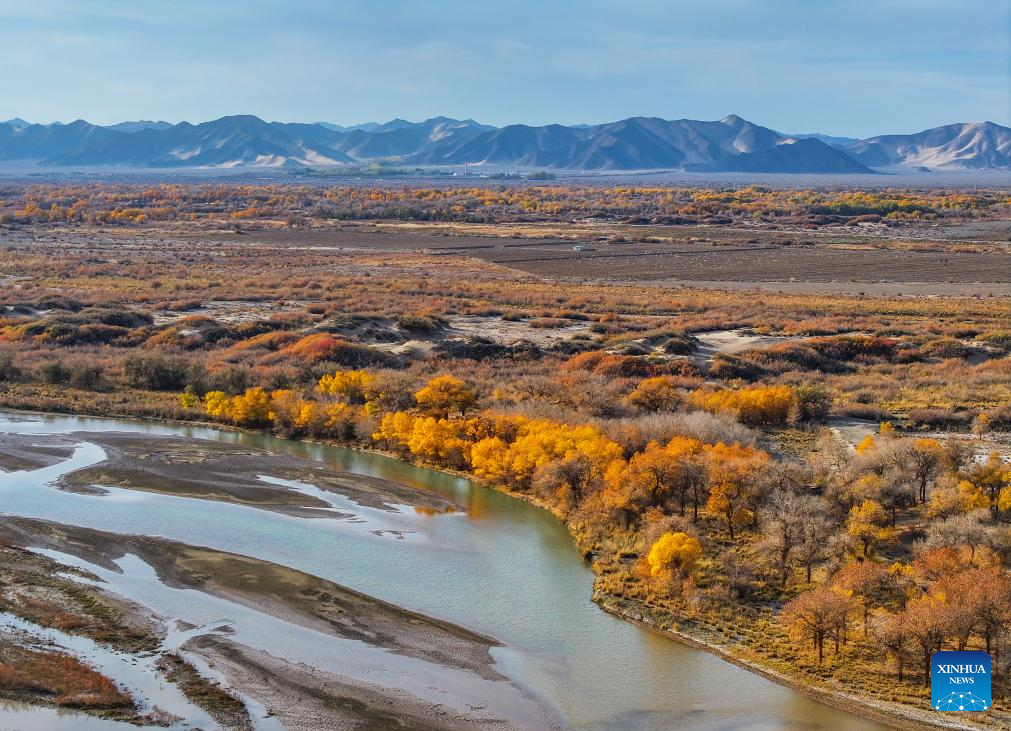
(501,567)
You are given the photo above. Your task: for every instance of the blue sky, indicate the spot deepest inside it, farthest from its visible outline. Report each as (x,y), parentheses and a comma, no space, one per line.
(848,67)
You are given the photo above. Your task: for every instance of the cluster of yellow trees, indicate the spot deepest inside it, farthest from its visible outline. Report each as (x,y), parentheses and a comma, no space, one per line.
(131,204)
(345,400)
(752,405)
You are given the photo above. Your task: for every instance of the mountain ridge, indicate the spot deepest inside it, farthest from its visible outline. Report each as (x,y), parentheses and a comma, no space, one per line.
(731,144)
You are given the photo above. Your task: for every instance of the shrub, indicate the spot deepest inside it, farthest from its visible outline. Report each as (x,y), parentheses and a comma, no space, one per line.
(946,348)
(155,372)
(323,347)
(54,373)
(420,323)
(8,371)
(939,418)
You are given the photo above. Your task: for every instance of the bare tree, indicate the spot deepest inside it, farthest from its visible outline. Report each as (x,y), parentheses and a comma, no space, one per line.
(958,530)
(785,523)
(895,492)
(816,540)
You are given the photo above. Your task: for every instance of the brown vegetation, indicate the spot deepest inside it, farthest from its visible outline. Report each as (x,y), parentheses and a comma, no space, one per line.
(707,492)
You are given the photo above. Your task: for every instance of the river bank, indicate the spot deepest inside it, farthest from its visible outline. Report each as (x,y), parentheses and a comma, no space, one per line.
(859,706)
(899,717)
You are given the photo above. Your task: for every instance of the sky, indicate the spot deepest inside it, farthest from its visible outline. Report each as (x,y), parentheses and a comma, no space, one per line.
(842,67)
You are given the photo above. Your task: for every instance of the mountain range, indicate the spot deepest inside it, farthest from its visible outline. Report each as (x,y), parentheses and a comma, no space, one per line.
(730,144)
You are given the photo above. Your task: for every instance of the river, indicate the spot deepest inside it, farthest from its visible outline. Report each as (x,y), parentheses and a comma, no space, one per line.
(503,568)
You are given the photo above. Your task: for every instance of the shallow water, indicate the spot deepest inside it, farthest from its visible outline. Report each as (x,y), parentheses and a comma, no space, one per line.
(504,568)
(138,581)
(22,717)
(133,672)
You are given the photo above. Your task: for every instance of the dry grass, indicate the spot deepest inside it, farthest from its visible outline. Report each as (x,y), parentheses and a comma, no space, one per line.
(59,678)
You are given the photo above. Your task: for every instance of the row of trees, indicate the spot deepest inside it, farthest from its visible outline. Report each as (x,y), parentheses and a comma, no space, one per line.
(129,204)
(970,602)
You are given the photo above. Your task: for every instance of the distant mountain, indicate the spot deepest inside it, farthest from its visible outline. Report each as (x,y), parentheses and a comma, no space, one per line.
(982,146)
(367,126)
(400,139)
(645,143)
(41,142)
(730,144)
(227,142)
(827,139)
(138,125)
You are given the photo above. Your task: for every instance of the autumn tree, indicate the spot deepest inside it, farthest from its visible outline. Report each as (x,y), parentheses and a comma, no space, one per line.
(534,444)
(927,621)
(868,581)
(654,477)
(964,530)
(445,395)
(732,488)
(351,386)
(897,640)
(955,496)
(251,408)
(981,425)
(991,478)
(566,482)
(673,556)
(961,597)
(958,453)
(817,615)
(753,405)
(866,525)
(991,586)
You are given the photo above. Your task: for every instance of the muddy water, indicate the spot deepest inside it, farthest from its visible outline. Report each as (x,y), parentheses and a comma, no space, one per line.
(504,568)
